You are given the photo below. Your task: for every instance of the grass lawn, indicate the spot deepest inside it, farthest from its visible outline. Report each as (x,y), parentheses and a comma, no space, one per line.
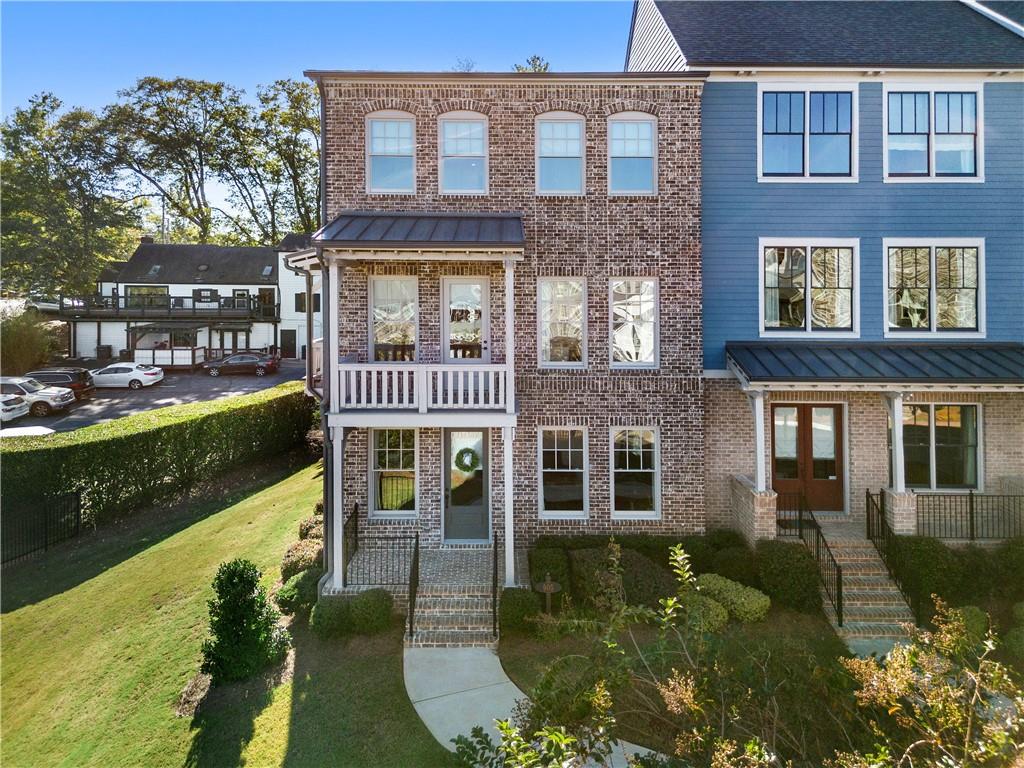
(100,638)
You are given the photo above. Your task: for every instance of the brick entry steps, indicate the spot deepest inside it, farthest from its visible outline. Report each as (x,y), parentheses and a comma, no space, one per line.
(873,608)
(457,616)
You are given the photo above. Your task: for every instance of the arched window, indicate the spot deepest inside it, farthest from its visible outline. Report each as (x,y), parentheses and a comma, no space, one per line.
(462,153)
(632,154)
(391,153)
(561,138)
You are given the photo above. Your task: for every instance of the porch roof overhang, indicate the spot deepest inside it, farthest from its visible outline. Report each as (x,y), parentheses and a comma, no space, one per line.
(890,366)
(168,326)
(303,261)
(231,327)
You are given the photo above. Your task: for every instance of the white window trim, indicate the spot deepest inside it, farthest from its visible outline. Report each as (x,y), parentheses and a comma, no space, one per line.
(388,114)
(932,467)
(583,364)
(633,117)
(657,325)
(770,86)
(930,87)
(932,243)
(807,243)
(463,117)
(656,513)
(560,117)
(371,345)
(485,328)
(385,514)
(562,514)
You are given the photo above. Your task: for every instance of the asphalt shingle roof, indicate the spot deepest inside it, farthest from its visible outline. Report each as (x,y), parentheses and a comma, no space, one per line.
(856,33)
(295,241)
(182,264)
(371,229)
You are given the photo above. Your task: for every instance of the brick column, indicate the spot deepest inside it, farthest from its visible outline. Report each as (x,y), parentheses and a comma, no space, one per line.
(753,511)
(901,511)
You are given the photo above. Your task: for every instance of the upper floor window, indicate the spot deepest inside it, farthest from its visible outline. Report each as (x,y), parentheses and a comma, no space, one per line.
(634,323)
(560,154)
(300,302)
(463,154)
(932,134)
(807,133)
(808,286)
(390,155)
(561,317)
(934,287)
(393,318)
(632,152)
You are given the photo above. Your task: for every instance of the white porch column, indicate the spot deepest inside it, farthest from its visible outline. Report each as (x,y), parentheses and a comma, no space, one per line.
(756,400)
(894,406)
(507,436)
(510,336)
(338,564)
(332,339)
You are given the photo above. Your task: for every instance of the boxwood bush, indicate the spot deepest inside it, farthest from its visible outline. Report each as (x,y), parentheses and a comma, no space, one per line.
(745,604)
(364,613)
(926,566)
(312,527)
(738,564)
(516,607)
(643,582)
(703,613)
(789,575)
(701,549)
(127,464)
(299,592)
(331,616)
(302,555)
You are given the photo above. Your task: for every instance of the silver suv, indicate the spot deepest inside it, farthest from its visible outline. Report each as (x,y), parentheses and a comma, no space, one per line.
(42,400)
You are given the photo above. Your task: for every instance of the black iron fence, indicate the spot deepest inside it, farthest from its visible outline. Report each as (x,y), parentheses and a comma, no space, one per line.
(349,540)
(30,527)
(829,570)
(970,515)
(494,588)
(414,584)
(790,511)
(880,534)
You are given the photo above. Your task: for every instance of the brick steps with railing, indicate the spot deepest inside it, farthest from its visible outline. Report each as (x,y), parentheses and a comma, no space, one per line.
(453,616)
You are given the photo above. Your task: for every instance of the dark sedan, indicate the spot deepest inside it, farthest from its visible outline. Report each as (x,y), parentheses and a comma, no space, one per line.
(79,380)
(244,362)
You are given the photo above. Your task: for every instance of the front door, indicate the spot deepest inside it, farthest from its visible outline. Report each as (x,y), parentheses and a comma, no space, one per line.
(465,320)
(466,515)
(807,454)
(288,343)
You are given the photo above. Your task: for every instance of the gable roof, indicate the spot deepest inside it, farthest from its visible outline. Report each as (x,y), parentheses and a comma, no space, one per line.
(295,241)
(1011,9)
(375,229)
(838,33)
(210,264)
(110,271)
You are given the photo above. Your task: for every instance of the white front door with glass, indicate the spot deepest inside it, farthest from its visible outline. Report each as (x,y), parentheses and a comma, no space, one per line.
(465,320)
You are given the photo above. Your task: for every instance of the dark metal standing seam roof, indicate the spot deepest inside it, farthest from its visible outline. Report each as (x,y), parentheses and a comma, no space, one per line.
(879,362)
(372,229)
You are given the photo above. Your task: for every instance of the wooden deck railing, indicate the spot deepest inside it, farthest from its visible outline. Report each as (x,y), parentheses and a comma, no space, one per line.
(423,387)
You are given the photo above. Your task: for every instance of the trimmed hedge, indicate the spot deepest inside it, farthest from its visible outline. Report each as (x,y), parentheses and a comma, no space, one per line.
(703,613)
(299,592)
(364,613)
(129,463)
(738,564)
(302,555)
(789,575)
(745,604)
(643,582)
(516,607)
(312,527)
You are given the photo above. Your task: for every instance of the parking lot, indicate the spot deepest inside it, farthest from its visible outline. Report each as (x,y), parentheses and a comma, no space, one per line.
(176,388)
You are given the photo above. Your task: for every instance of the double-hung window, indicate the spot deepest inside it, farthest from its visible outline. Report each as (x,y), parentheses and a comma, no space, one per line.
(393,318)
(634,322)
(808,286)
(932,134)
(463,153)
(635,469)
(390,155)
(940,446)
(934,287)
(632,153)
(560,154)
(807,133)
(563,471)
(561,318)
(393,472)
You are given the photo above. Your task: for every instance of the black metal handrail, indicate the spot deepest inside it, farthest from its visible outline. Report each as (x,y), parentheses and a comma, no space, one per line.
(829,570)
(494,589)
(349,541)
(970,515)
(414,584)
(162,305)
(32,526)
(788,519)
(880,534)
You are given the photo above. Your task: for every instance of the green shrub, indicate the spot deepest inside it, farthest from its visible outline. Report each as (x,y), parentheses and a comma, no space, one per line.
(723,538)
(27,342)
(299,592)
(244,634)
(745,604)
(975,622)
(703,613)
(738,564)
(516,607)
(318,508)
(312,528)
(789,575)
(371,611)
(643,582)
(1009,566)
(554,561)
(1013,644)
(654,547)
(331,616)
(124,465)
(926,566)
(302,555)
(979,570)
(1018,614)
(584,567)
(569,543)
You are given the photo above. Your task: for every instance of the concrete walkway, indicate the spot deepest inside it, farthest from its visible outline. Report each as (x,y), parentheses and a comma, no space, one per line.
(455,689)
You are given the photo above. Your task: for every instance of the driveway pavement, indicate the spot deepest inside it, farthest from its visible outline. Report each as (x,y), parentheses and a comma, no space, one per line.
(176,388)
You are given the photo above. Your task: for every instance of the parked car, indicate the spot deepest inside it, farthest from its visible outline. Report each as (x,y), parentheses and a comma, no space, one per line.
(131,375)
(78,380)
(26,432)
(12,407)
(244,362)
(38,303)
(42,400)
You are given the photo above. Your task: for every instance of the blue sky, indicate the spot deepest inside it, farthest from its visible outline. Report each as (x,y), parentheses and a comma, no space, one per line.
(84,52)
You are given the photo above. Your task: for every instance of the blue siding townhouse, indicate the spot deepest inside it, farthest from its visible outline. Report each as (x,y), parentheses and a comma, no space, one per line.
(863,250)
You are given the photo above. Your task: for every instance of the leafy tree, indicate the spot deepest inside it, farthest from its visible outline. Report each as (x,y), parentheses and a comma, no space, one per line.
(62,216)
(533,64)
(26,342)
(464,64)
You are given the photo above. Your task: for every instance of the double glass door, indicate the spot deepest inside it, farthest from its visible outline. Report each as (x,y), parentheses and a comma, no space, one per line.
(807,454)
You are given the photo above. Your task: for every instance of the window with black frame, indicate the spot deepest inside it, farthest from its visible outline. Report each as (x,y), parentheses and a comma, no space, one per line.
(908,134)
(940,446)
(909,289)
(393,471)
(831,133)
(782,133)
(785,277)
(945,278)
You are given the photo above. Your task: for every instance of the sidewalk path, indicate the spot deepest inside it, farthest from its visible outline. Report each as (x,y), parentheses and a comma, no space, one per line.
(455,689)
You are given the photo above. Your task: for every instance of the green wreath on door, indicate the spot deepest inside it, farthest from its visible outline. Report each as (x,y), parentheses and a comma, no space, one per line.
(467,460)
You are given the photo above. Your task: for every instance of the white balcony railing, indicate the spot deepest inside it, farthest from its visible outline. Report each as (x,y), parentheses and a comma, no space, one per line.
(423,388)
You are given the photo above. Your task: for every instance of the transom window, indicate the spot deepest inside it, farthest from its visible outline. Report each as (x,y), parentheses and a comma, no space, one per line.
(933,288)
(940,446)
(563,472)
(560,155)
(561,318)
(807,133)
(634,323)
(393,471)
(463,154)
(932,133)
(635,467)
(631,154)
(822,300)
(393,318)
(390,155)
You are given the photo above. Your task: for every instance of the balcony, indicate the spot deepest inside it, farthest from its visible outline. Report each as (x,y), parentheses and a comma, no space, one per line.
(164,307)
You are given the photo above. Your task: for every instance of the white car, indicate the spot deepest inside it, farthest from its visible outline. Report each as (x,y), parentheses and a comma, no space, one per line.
(42,400)
(131,375)
(12,407)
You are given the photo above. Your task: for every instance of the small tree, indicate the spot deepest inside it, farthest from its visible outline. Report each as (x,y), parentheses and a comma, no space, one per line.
(25,343)
(533,64)
(245,636)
